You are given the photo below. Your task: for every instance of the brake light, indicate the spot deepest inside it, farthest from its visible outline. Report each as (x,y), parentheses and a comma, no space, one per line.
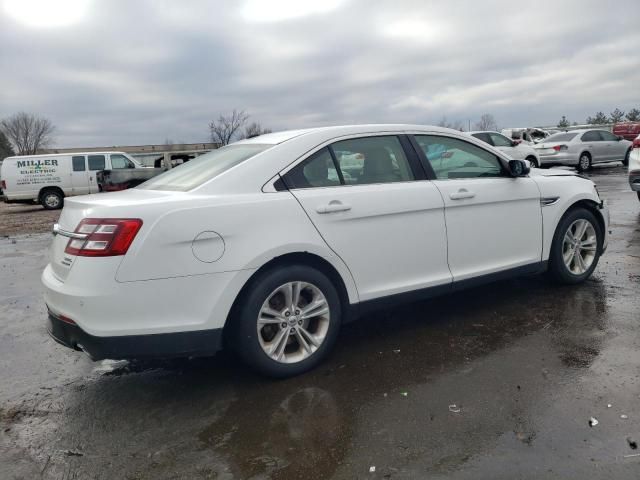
(559,148)
(103,237)
(636,143)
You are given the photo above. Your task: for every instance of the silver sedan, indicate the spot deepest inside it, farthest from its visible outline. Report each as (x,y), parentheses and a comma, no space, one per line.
(583,148)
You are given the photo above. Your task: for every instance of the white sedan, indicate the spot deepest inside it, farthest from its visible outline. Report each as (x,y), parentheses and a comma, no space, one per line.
(514,149)
(268,245)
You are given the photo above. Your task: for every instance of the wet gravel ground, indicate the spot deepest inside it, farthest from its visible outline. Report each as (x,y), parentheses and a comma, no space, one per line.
(23,218)
(525,363)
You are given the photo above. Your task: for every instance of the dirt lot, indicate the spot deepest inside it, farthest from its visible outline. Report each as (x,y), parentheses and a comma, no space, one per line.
(19,218)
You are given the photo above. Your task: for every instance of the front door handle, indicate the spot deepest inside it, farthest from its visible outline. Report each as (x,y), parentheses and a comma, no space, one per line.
(462,194)
(333,206)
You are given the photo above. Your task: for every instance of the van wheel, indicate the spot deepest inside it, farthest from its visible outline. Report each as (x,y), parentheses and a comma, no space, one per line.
(288,321)
(51,199)
(576,247)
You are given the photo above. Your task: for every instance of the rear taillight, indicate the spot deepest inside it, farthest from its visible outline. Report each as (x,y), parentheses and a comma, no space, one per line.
(103,237)
(3,185)
(559,148)
(636,143)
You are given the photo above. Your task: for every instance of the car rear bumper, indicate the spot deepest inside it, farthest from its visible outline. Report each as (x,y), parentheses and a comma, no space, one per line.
(558,159)
(162,345)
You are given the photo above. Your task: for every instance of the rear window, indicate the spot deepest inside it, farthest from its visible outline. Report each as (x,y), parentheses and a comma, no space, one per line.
(195,172)
(560,137)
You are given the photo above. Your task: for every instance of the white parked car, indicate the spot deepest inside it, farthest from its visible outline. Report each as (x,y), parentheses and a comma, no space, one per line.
(583,148)
(634,167)
(514,149)
(48,179)
(267,247)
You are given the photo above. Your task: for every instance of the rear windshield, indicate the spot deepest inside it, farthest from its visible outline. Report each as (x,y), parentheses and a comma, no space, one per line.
(560,137)
(195,172)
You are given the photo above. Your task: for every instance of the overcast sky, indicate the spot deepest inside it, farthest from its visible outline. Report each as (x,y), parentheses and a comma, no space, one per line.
(118,72)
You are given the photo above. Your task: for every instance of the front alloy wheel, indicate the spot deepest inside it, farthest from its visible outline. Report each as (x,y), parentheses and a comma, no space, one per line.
(579,246)
(584,163)
(576,247)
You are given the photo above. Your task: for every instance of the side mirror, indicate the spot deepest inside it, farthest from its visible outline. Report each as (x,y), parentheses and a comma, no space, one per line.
(519,168)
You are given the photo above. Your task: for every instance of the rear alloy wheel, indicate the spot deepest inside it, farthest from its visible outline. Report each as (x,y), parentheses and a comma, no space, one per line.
(533,162)
(576,247)
(51,199)
(289,321)
(584,163)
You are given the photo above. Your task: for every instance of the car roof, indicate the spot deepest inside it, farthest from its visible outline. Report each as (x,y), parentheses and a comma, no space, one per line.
(279,137)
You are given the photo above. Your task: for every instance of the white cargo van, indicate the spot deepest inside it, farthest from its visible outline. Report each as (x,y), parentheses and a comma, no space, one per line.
(49,178)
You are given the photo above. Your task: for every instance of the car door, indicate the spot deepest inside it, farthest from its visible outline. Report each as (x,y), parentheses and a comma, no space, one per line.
(79,175)
(505,145)
(494,221)
(614,148)
(375,209)
(96,163)
(592,142)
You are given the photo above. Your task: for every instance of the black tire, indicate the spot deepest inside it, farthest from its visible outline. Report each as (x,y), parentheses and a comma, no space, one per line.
(244,333)
(558,271)
(583,163)
(638,195)
(533,161)
(52,199)
(625,162)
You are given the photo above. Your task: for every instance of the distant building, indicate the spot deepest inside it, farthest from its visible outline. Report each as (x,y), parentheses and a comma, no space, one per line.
(160,156)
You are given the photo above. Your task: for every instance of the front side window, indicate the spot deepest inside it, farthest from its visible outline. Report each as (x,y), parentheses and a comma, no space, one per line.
(202,169)
(500,140)
(96,162)
(79,163)
(451,158)
(592,136)
(120,161)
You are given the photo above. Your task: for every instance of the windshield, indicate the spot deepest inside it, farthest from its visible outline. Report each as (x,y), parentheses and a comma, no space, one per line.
(195,172)
(560,137)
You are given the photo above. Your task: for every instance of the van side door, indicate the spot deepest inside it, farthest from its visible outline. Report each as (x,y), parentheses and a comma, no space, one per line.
(96,163)
(79,175)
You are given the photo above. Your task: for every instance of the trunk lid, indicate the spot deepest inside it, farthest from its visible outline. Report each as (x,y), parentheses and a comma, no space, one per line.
(122,204)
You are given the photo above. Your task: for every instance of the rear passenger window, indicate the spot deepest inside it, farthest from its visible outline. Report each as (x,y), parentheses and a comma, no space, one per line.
(79,164)
(451,158)
(360,161)
(368,160)
(96,162)
(316,171)
(592,136)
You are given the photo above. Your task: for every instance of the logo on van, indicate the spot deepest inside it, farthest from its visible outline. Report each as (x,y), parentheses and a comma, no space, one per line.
(38,164)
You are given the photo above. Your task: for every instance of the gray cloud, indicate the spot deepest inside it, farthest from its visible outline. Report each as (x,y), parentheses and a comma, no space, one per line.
(134,72)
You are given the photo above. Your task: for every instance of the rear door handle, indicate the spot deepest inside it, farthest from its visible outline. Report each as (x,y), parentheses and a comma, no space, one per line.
(461,194)
(333,206)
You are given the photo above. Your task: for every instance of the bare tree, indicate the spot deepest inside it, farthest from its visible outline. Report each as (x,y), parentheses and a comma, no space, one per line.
(27,132)
(254,129)
(226,127)
(456,125)
(5,147)
(487,122)
(617,115)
